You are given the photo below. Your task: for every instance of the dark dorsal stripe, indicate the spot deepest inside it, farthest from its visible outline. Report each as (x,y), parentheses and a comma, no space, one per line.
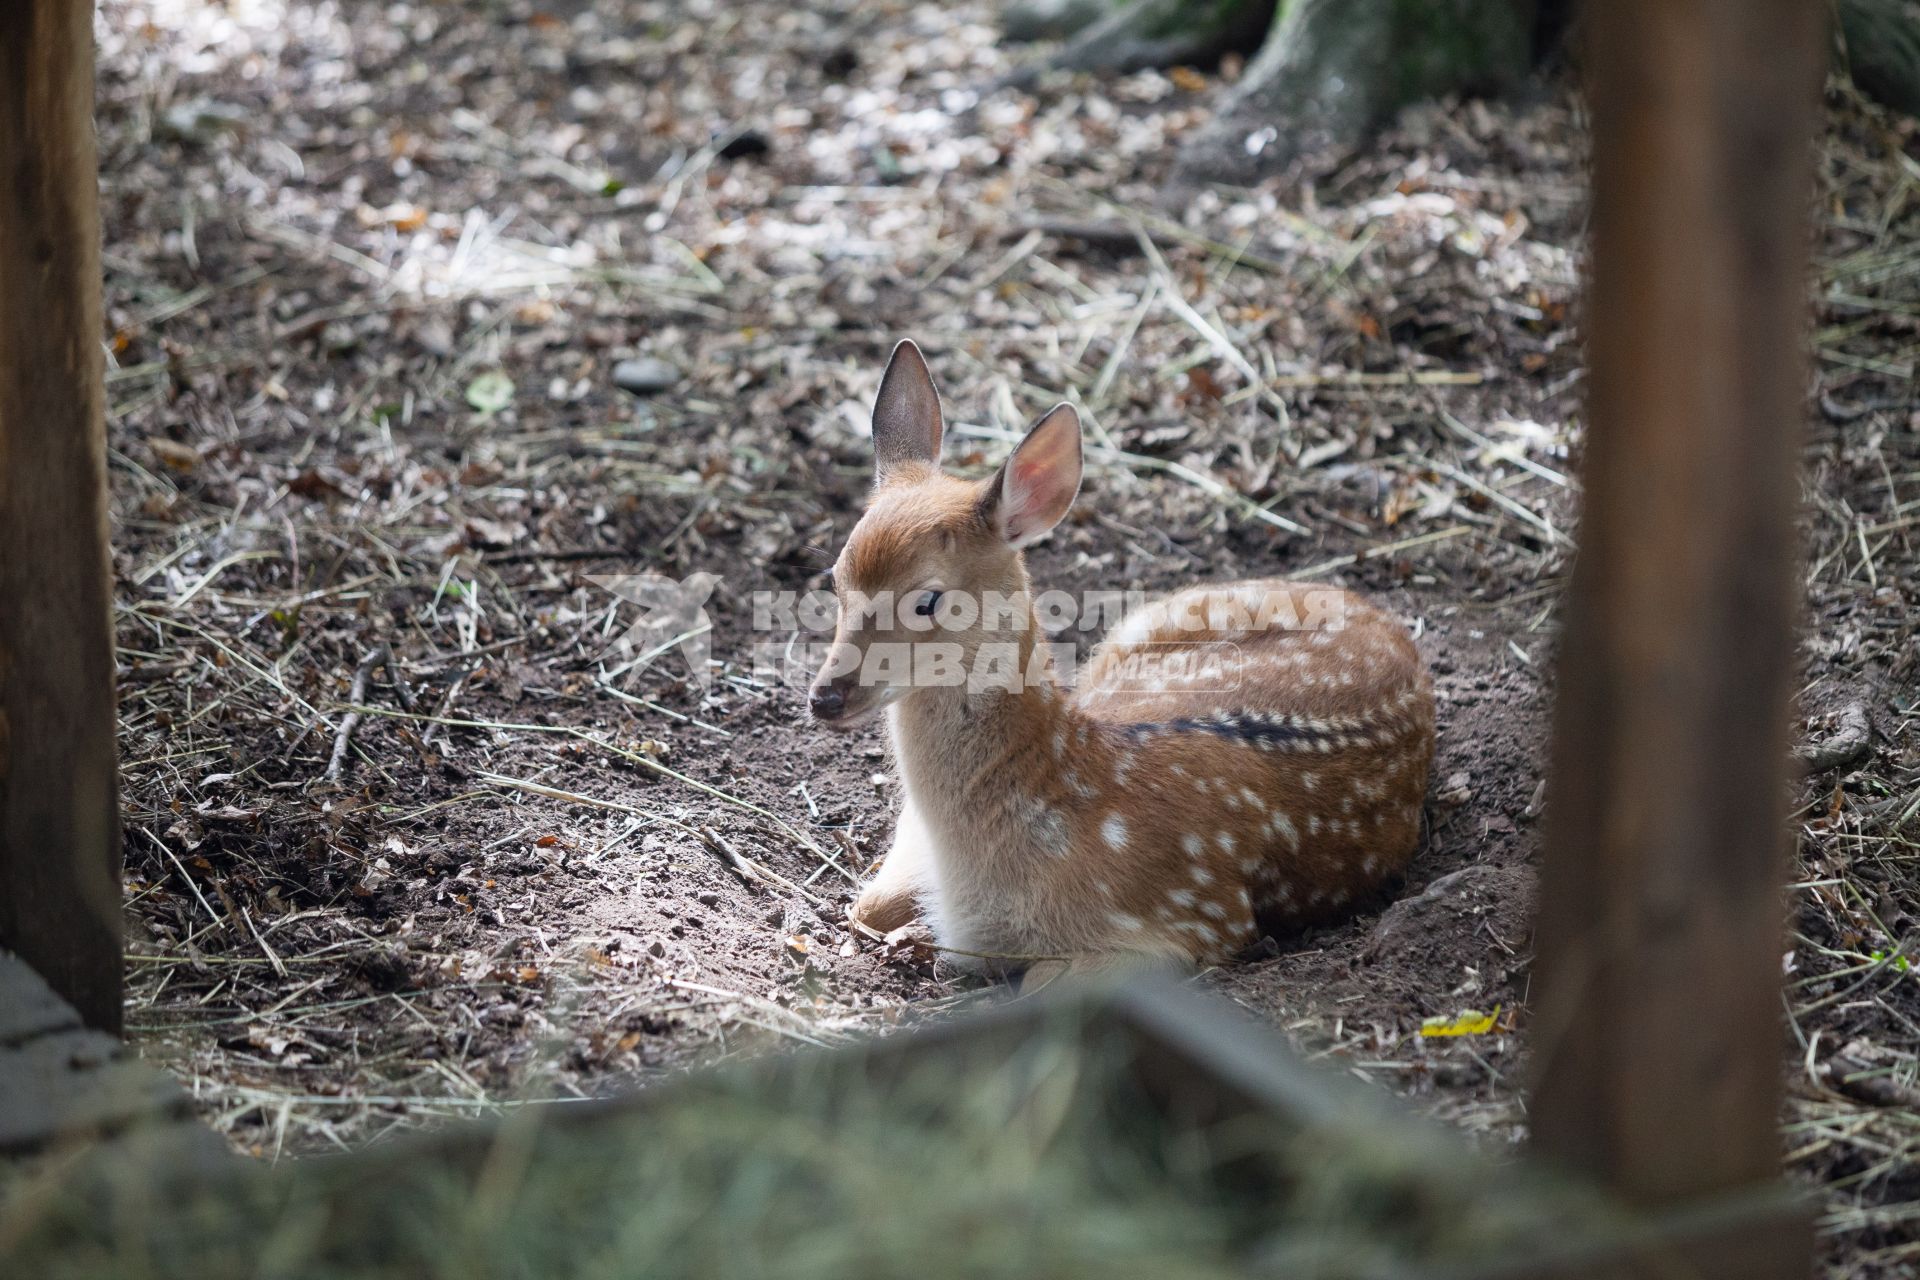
(1269,732)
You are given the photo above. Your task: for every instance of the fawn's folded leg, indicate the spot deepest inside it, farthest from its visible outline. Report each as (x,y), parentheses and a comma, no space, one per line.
(892,897)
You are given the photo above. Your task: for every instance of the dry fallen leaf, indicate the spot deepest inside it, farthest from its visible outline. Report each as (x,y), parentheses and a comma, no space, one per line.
(1187,79)
(181,457)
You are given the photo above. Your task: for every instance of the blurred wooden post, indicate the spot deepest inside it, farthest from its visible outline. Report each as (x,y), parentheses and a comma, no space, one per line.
(59,803)
(1658,1034)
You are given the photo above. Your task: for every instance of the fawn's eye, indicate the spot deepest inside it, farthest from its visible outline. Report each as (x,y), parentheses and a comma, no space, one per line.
(927,603)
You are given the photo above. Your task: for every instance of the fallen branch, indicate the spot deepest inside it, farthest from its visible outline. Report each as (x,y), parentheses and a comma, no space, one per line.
(752,872)
(343,736)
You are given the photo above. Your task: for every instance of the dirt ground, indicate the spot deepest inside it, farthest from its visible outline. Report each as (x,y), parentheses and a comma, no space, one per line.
(369,271)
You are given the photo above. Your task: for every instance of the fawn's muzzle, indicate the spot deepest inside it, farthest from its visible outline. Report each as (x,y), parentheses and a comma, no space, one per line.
(826,702)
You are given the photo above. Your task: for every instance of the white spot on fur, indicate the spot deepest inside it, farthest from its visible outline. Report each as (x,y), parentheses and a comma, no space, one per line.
(1121,920)
(1225,841)
(1114,831)
(1181,897)
(1191,844)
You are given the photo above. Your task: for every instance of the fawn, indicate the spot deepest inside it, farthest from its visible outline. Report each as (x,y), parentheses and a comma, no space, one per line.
(1271,762)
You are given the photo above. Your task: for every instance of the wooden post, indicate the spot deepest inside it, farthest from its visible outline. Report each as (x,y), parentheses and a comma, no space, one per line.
(59,803)
(1658,1033)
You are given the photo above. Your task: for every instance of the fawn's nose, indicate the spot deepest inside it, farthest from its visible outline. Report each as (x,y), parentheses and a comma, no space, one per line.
(826,702)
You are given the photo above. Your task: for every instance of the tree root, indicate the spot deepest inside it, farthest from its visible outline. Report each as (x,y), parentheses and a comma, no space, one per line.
(1332,71)
(1850,743)
(1025,20)
(1138,34)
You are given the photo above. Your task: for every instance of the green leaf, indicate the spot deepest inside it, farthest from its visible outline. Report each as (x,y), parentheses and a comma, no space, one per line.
(491,392)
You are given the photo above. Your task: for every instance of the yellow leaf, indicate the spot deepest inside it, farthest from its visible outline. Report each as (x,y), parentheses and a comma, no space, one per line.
(1470,1022)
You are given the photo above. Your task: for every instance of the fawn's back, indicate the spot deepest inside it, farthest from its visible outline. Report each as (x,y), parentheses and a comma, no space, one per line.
(1290,761)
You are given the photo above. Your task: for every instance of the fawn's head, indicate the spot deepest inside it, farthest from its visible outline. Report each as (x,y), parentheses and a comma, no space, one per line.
(927,573)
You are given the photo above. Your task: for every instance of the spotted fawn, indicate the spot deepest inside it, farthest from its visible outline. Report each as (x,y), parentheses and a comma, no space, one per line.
(1233,755)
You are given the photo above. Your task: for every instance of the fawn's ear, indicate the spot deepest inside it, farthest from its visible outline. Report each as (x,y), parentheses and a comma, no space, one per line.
(1038,481)
(906,414)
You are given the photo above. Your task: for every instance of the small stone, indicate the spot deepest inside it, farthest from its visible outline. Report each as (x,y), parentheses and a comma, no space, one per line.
(745,145)
(645,375)
(200,121)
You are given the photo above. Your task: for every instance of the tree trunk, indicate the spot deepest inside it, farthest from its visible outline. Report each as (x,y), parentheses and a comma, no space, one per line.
(1327,72)
(1880,46)
(1332,70)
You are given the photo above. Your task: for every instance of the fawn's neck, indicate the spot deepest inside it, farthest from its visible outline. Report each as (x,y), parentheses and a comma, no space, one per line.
(972,758)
